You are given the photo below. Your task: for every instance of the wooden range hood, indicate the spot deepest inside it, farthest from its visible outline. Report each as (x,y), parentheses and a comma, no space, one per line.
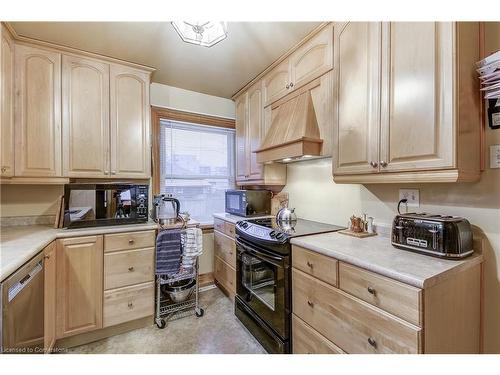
(294,130)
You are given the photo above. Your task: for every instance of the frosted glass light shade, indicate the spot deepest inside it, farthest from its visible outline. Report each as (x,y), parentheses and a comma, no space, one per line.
(203,33)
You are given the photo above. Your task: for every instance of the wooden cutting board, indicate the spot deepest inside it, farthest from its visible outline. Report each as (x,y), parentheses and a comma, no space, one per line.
(348,232)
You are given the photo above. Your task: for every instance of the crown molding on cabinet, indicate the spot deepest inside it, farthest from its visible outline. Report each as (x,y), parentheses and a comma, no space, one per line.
(281,59)
(61,48)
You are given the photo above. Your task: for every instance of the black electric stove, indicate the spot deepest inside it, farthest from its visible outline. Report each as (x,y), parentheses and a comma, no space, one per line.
(263,277)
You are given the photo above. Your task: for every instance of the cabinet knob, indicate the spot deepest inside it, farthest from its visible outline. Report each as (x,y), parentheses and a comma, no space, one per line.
(4,169)
(46,256)
(309,264)
(130,242)
(131,268)
(113,172)
(106,171)
(372,342)
(371,290)
(374,164)
(291,84)
(287,86)
(130,305)
(310,303)
(383,164)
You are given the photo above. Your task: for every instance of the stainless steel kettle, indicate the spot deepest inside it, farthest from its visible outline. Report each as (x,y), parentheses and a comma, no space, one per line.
(286,215)
(165,209)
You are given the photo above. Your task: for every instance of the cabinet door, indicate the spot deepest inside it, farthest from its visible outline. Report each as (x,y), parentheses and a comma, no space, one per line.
(85,88)
(313,59)
(357,64)
(417,131)
(255,128)
(130,124)
(79,285)
(38,112)
(50,284)
(276,83)
(241,137)
(7,103)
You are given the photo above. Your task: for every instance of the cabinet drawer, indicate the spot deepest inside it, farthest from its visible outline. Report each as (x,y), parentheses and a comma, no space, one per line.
(317,265)
(392,296)
(128,267)
(306,340)
(225,248)
(130,240)
(352,324)
(225,275)
(224,227)
(128,303)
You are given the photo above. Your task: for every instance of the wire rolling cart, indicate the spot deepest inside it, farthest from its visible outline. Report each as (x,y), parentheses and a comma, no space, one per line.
(168,310)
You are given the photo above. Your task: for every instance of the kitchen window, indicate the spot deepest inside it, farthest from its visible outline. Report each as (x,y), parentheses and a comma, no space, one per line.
(196,166)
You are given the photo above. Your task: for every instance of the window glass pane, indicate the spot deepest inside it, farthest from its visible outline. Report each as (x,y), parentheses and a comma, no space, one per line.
(197,166)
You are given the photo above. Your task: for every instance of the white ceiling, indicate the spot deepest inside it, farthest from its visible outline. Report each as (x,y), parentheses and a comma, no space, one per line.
(219,70)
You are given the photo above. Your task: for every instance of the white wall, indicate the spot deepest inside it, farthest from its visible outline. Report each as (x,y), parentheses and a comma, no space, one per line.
(190,101)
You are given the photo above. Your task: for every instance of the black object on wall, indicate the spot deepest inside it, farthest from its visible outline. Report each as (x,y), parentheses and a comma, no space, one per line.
(494,113)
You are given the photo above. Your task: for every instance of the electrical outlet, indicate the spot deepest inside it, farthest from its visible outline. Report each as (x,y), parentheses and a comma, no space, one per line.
(413,196)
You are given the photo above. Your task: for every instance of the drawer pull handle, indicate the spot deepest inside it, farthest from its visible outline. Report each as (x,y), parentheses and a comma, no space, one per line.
(131,268)
(131,241)
(46,256)
(130,305)
(309,264)
(372,342)
(310,303)
(371,290)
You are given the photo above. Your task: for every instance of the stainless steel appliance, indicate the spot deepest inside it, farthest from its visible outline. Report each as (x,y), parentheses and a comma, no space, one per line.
(248,203)
(263,277)
(437,235)
(89,204)
(21,323)
(165,209)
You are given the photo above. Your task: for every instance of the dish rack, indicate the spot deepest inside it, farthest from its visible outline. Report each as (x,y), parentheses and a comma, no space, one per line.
(166,309)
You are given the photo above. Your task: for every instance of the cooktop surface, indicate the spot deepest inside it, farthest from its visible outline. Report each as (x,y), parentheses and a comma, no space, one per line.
(298,228)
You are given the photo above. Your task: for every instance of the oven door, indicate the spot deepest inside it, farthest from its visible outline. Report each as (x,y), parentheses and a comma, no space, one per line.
(262,282)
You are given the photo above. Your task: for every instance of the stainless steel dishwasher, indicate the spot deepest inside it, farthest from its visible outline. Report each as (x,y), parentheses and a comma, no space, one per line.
(21,321)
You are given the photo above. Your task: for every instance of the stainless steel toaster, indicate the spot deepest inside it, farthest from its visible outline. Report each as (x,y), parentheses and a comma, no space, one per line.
(437,235)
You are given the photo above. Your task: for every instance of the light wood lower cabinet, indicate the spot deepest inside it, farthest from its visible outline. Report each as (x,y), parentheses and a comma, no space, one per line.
(128,303)
(79,285)
(6,103)
(123,268)
(225,256)
(129,240)
(352,324)
(225,248)
(359,311)
(50,296)
(306,340)
(225,275)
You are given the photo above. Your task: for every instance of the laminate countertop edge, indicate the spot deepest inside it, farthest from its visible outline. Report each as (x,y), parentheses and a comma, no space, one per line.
(421,271)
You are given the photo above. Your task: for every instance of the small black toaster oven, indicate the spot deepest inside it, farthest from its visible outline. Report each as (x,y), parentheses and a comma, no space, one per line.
(437,235)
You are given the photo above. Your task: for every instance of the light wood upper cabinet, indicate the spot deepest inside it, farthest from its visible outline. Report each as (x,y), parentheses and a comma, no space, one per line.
(276,83)
(50,301)
(313,59)
(357,59)
(37,112)
(7,103)
(255,129)
(80,285)
(130,112)
(415,77)
(418,130)
(241,137)
(85,92)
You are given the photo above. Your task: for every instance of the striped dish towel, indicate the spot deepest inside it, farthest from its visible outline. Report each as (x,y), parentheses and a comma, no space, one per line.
(168,252)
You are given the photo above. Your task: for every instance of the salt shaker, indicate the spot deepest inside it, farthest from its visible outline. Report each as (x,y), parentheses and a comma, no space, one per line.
(369,226)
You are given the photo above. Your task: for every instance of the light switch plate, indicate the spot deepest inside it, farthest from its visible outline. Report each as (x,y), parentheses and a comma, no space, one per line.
(413,196)
(495,156)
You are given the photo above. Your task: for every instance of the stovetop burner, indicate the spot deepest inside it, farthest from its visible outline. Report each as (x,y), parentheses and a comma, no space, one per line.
(270,231)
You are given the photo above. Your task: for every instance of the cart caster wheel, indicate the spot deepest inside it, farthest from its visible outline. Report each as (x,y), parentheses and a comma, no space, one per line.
(161,324)
(200,313)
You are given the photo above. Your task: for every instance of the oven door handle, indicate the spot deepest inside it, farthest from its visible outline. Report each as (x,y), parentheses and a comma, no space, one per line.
(259,254)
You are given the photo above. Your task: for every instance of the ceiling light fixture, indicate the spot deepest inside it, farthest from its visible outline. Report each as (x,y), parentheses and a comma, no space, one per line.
(203,33)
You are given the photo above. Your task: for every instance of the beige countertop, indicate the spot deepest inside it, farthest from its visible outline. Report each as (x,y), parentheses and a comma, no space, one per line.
(234,218)
(18,244)
(376,254)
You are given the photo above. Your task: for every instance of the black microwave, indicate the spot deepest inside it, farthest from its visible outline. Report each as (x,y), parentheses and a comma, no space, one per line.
(90,205)
(248,203)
